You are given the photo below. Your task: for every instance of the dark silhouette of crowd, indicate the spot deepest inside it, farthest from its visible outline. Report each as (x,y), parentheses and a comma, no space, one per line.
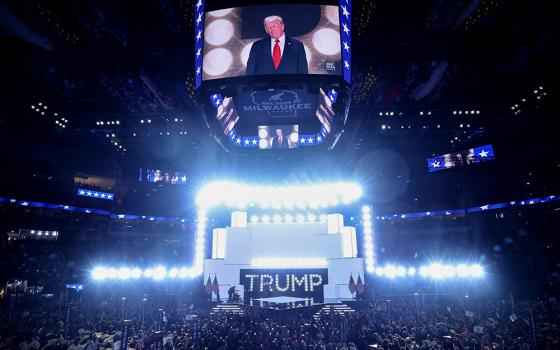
(92,322)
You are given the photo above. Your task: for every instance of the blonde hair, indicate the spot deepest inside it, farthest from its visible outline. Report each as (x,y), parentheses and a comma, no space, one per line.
(272,18)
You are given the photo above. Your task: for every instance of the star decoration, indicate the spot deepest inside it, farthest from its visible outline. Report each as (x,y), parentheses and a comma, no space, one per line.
(436,164)
(345,11)
(246,142)
(82,192)
(345,28)
(254,141)
(96,194)
(302,140)
(198,70)
(199,19)
(103,195)
(218,101)
(310,140)
(512,203)
(198,53)
(198,4)
(89,193)
(483,154)
(121,216)
(25,204)
(66,207)
(346,65)
(238,140)
(484,207)
(319,138)
(199,35)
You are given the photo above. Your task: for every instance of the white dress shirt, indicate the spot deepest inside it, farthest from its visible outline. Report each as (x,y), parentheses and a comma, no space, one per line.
(282,41)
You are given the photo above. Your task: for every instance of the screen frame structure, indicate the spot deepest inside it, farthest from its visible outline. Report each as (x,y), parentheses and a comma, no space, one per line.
(345,20)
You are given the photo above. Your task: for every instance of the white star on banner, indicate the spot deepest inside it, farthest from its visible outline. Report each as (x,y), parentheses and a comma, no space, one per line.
(345,11)
(25,204)
(109,196)
(121,216)
(319,138)
(346,47)
(345,28)
(198,53)
(483,154)
(199,35)
(66,207)
(198,4)
(214,96)
(82,192)
(198,70)
(199,18)
(238,140)
(484,207)
(88,211)
(96,194)
(302,140)
(103,195)
(531,202)
(512,203)
(218,101)
(403,216)
(428,213)
(551,197)
(246,142)
(310,140)
(89,193)
(254,141)
(447,213)
(346,65)
(436,164)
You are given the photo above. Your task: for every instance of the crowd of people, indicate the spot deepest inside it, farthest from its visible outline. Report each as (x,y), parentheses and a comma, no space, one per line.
(91,322)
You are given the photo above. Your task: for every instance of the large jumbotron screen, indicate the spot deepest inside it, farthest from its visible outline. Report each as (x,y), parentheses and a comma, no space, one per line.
(239,41)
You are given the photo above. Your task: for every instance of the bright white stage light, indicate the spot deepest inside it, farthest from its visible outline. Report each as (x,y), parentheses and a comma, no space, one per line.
(148,273)
(288,218)
(288,262)
(300,218)
(221,192)
(124,273)
(476,270)
(173,273)
(99,273)
(411,271)
(159,273)
(277,219)
(265,218)
(136,273)
(322,218)
(254,219)
(311,218)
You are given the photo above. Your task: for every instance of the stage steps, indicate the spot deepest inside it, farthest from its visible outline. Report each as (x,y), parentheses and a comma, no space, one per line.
(227,308)
(339,308)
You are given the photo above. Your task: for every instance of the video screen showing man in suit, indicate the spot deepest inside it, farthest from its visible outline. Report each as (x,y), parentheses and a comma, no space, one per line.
(278,136)
(276,54)
(271,39)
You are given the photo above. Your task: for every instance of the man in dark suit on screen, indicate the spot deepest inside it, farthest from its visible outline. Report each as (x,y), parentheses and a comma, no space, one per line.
(280,141)
(276,54)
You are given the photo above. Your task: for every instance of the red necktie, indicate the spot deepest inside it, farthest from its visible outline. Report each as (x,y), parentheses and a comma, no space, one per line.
(280,141)
(276,55)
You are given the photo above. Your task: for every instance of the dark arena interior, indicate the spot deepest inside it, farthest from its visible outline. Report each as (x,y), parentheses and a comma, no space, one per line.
(333,174)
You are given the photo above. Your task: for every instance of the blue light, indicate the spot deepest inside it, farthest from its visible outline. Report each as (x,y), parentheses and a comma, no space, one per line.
(95,194)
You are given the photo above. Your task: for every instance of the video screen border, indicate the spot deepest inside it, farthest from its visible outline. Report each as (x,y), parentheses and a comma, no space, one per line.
(345,25)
